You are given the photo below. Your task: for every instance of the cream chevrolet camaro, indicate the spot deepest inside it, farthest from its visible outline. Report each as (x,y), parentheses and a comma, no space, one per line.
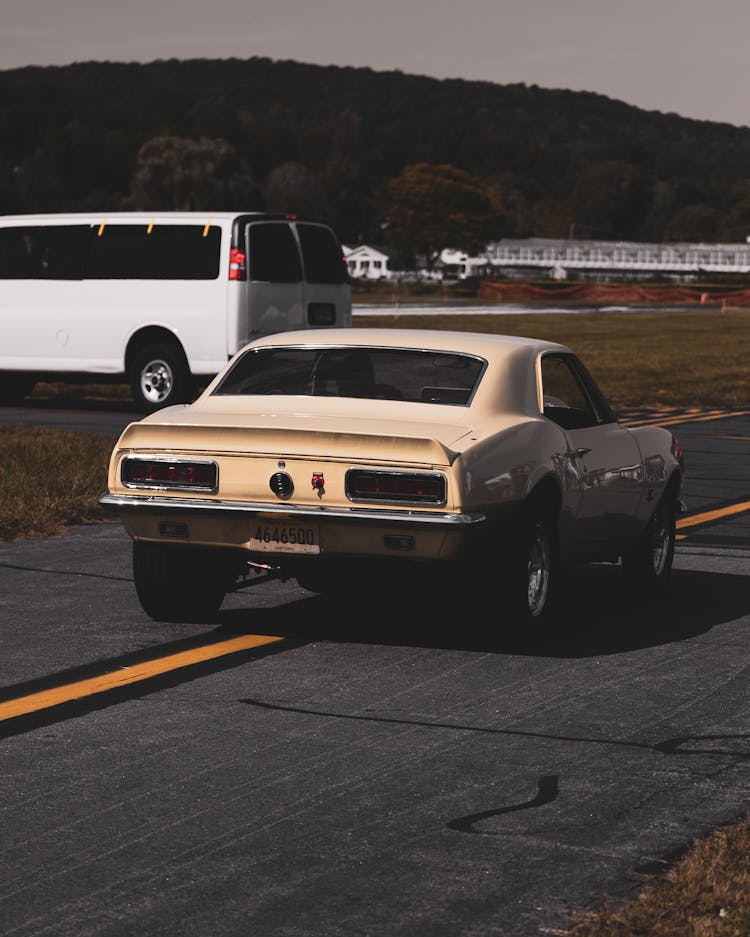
(371,460)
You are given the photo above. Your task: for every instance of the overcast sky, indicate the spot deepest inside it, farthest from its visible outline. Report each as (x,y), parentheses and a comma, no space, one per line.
(686,56)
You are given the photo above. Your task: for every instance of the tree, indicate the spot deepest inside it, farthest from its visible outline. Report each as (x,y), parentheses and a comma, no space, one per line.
(178,174)
(292,187)
(612,199)
(693,223)
(735,222)
(428,207)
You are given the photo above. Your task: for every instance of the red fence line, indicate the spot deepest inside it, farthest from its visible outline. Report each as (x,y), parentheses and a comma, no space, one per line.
(596,293)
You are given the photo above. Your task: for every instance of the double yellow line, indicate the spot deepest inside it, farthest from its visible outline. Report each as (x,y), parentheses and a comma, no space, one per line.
(672,418)
(707,516)
(46,699)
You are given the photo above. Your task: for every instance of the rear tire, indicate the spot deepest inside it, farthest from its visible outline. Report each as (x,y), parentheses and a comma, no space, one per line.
(532,583)
(159,377)
(648,564)
(176,583)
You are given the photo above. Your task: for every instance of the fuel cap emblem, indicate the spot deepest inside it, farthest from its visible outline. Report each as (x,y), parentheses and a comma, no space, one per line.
(282,485)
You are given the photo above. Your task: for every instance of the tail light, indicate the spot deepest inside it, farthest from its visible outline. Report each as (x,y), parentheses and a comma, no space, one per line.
(677,452)
(237,264)
(402,487)
(169,474)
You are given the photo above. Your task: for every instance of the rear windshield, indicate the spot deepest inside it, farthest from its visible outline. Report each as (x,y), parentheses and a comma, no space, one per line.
(371,373)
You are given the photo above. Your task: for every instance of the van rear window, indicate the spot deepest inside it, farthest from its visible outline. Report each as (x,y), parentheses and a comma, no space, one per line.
(321,254)
(272,253)
(161,252)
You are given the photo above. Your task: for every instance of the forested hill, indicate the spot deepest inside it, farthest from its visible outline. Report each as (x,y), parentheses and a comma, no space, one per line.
(343,143)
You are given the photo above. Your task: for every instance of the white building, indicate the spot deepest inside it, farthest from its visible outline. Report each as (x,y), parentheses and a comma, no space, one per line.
(367,262)
(601,259)
(459,265)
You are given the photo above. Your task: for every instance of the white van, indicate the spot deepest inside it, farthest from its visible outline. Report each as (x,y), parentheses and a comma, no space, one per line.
(160,299)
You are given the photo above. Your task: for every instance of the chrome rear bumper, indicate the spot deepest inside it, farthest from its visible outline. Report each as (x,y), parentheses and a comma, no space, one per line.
(154,504)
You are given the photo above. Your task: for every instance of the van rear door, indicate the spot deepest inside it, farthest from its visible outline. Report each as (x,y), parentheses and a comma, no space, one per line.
(328,295)
(275,293)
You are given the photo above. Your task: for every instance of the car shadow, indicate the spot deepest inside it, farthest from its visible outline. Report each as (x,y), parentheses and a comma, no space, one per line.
(597,615)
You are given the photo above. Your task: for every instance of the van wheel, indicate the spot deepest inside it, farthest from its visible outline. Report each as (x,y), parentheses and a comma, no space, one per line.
(159,377)
(14,387)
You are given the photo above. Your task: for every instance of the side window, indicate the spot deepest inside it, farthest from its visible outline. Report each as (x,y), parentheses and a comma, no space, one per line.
(154,252)
(601,405)
(272,253)
(565,400)
(43,252)
(321,254)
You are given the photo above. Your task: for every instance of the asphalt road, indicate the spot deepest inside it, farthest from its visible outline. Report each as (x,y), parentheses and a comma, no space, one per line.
(381,769)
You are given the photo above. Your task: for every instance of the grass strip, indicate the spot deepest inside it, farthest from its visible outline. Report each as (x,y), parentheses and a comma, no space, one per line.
(653,358)
(644,358)
(50,479)
(705,894)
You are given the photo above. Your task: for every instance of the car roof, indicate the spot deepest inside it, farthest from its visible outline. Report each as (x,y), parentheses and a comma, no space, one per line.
(477,343)
(509,384)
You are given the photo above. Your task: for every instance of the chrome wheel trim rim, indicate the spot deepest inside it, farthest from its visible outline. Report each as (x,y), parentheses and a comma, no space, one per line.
(157,381)
(539,565)
(660,540)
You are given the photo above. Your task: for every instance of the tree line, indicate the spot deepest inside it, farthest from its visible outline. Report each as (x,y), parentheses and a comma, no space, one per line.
(403,161)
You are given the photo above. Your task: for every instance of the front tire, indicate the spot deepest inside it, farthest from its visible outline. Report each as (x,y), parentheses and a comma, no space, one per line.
(176,583)
(648,564)
(159,377)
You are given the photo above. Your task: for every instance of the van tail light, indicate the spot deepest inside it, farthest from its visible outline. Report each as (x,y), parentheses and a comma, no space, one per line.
(404,487)
(237,264)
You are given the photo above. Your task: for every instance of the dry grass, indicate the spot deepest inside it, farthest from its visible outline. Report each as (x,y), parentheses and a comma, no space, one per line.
(64,394)
(706,894)
(640,359)
(50,479)
(646,358)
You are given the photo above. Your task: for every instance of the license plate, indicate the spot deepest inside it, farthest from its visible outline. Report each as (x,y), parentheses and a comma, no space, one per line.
(270,536)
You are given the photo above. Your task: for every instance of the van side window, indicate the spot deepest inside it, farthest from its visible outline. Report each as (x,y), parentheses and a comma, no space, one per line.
(321,254)
(158,252)
(46,252)
(272,253)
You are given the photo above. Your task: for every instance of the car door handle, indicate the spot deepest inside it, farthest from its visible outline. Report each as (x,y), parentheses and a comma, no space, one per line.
(579,453)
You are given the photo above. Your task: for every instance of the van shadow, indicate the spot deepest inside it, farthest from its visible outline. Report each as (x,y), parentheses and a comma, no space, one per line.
(597,616)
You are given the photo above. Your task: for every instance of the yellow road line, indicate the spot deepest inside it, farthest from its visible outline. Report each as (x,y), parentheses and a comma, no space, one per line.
(687,417)
(713,515)
(45,699)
